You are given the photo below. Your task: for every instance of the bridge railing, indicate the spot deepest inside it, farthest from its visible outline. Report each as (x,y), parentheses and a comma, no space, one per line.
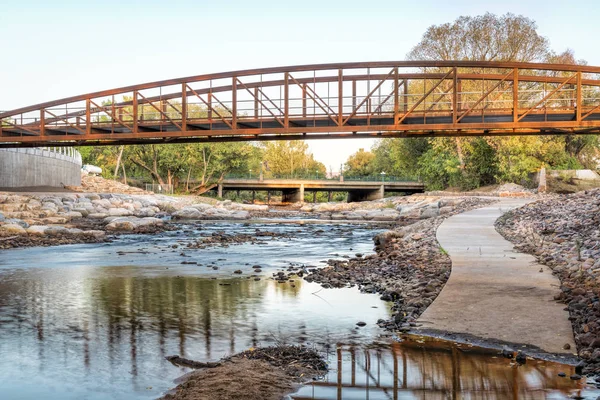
(367,99)
(321,177)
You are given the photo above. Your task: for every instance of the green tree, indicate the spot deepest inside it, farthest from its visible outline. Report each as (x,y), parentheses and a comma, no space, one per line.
(290,159)
(471,162)
(360,164)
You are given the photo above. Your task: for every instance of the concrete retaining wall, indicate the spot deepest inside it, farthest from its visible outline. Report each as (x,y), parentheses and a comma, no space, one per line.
(53,167)
(583,174)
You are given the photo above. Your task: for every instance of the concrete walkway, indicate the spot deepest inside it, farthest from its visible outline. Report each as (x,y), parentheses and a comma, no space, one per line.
(494,292)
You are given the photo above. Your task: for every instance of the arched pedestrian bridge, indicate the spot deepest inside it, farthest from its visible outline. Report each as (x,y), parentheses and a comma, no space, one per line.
(367,99)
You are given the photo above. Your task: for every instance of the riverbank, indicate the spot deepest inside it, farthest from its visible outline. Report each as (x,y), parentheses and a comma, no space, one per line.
(46,219)
(267,373)
(563,234)
(409,267)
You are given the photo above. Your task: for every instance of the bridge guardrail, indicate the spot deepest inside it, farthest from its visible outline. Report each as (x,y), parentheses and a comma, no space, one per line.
(374,178)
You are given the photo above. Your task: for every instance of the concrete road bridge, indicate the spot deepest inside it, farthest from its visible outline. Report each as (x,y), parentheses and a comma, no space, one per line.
(322,101)
(293,190)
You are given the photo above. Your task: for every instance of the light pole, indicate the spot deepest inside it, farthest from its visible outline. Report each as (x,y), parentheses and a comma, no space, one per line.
(249,174)
(317,174)
(382,176)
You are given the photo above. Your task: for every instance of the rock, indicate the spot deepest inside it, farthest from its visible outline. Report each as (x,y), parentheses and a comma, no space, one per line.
(97,215)
(562,374)
(15,221)
(95,233)
(188,213)
(119,212)
(56,231)
(37,230)
(2,218)
(575,377)
(567,346)
(12,229)
(521,358)
(238,271)
(128,224)
(361,323)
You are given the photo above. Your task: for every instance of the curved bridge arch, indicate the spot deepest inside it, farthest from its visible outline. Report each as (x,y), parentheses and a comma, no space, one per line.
(369,99)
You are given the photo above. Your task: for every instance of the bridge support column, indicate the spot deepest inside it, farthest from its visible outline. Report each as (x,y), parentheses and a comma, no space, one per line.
(366,195)
(329,196)
(293,195)
(314,197)
(220,191)
(268,197)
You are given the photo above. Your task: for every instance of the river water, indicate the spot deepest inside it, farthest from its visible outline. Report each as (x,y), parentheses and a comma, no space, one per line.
(96,321)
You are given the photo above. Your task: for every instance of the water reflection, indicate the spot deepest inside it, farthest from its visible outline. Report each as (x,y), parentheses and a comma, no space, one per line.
(438,370)
(79,334)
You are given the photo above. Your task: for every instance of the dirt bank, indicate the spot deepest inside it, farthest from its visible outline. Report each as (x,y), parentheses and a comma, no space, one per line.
(409,267)
(563,233)
(257,374)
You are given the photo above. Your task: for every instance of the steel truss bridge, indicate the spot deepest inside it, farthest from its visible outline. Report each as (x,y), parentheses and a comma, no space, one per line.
(348,100)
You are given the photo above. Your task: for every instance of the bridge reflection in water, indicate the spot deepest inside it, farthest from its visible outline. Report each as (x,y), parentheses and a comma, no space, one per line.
(436,370)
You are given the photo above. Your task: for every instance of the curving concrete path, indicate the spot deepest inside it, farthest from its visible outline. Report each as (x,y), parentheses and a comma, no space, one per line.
(494,292)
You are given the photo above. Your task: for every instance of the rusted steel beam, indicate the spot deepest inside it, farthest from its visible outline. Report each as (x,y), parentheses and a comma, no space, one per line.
(543,100)
(33,141)
(579,99)
(183,107)
(42,122)
(67,122)
(257,98)
(313,95)
(352,78)
(234,101)
(320,67)
(135,112)
(340,113)
(396,96)
(415,120)
(162,113)
(111,114)
(368,96)
(210,108)
(483,97)
(424,97)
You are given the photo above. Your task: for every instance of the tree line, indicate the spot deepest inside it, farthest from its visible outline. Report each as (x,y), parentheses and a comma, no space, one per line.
(198,167)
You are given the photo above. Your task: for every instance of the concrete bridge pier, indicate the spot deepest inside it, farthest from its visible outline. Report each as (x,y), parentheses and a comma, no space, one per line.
(366,195)
(220,191)
(293,195)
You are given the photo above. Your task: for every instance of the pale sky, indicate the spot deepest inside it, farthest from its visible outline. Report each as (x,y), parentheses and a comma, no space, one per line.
(57,48)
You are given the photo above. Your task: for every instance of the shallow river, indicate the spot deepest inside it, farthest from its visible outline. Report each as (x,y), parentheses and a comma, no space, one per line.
(96,321)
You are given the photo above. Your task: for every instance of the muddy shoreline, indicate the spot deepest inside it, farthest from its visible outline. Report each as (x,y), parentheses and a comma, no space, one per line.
(267,373)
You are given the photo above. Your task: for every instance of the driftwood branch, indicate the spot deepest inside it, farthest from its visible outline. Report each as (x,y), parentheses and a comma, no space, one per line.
(184,362)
